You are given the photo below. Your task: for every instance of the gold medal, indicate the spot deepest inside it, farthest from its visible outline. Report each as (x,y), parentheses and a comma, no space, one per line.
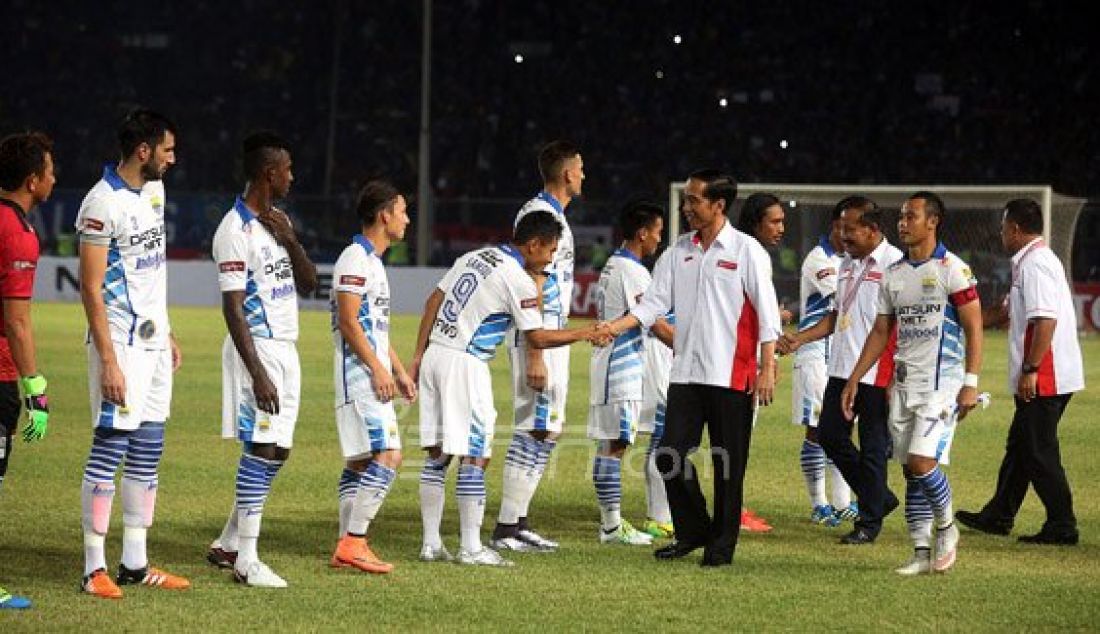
(845,322)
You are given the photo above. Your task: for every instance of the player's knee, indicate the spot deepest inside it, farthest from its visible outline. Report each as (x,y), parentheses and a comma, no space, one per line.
(390,459)
(811,434)
(917,466)
(541,435)
(358,465)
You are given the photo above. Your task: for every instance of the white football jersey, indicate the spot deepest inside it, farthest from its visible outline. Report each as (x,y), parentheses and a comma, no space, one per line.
(816,290)
(561,267)
(485,293)
(924,297)
(130,223)
(616,371)
(250,260)
(360,271)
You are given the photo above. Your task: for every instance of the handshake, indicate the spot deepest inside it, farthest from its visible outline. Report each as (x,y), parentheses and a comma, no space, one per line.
(600,334)
(788,343)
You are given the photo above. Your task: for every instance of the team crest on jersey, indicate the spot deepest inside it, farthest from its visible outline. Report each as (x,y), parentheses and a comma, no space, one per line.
(157,202)
(147,329)
(729,265)
(352,280)
(928,284)
(93,224)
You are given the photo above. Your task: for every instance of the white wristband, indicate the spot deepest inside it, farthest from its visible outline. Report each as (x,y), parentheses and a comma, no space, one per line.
(970,380)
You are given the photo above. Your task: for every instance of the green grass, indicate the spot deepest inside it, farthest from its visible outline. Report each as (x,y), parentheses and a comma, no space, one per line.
(796,578)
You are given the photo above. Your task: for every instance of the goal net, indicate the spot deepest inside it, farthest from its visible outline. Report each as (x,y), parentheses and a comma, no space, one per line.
(971,228)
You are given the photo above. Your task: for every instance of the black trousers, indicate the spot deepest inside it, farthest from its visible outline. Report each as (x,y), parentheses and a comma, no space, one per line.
(728,417)
(1033,457)
(10,406)
(864,468)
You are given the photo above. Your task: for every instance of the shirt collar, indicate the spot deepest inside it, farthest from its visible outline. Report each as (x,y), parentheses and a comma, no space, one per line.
(1019,255)
(826,245)
(724,238)
(110,174)
(624,252)
(246,214)
(514,252)
(14,205)
(938,253)
(550,200)
(364,242)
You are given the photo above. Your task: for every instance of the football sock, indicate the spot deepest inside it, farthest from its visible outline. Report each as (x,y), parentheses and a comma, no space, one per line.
(97,493)
(607,474)
(519,464)
(842,493)
(254,477)
(656,498)
(546,448)
(139,491)
(349,482)
(432,478)
(918,513)
(470,493)
(374,484)
(812,459)
(938,491)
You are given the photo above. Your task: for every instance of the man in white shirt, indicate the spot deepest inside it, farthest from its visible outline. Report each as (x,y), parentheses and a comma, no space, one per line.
(929,301)
(367,373)
(851,314)
(715,279)
(131,352)
(1044,369)
(540,414)
(261,269)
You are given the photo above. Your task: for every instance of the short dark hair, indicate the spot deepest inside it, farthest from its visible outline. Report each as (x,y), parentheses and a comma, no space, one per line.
(22,155)
(719,186)
(553,156)
(142,125)
(870,215)
(638,214)
(852,202)
(260,150)
(1027,214)
(753,211)
(540,225)
(377,195)
(933,205)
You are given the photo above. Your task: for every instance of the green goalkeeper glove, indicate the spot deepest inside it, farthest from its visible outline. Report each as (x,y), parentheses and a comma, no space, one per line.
(38,407)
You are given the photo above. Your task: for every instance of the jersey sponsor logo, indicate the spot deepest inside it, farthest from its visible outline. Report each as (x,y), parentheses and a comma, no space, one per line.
(151,261)
(231,267)
(352,280)
(280,269)
(824,273)
(93,224)
(23,265)
(147,329)
(532,302)
(150,238)
(729,265)
(280,292)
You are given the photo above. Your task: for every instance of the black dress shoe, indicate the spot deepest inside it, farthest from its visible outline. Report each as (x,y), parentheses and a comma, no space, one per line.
(979,523)
(676,550)
(890,503)
(1055,539)
(858,537)
(716,557)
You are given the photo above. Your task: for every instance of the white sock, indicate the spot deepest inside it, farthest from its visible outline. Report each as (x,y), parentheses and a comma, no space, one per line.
(470,492)
(136,510)
(656,498)
(95,556)
(228,540)
(432,480)
(95,502)
(374,484)
(134,555)
(842,493)
(248,536)
(513,492)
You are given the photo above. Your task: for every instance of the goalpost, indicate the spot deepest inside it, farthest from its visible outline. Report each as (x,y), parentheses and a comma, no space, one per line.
(971,228)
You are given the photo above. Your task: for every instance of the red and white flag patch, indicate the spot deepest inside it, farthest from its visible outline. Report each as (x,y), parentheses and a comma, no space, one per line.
(231,267)
(529,303)
(352,280)
(729,265)
(93,224)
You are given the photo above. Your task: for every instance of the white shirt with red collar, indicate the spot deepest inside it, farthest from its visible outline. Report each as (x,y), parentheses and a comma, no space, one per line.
(725,307)
(856,305)
(1040,291)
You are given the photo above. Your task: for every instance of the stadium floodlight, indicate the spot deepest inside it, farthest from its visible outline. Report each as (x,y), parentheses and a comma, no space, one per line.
(971,228)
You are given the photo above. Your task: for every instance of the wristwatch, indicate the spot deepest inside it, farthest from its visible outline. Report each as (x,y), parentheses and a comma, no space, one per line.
(1029,368)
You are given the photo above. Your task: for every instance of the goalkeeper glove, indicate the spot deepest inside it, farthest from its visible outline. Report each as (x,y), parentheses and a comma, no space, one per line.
(38,407)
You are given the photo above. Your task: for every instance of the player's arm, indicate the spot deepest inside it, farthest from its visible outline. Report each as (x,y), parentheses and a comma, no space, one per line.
(970,316)
(347,320)
(872,350)
(656,302)
(536,374)
(93,270)
(267,396)
(427,320)
(17,328)
(663,331)
(1042,334)
(542,338)
(789,343)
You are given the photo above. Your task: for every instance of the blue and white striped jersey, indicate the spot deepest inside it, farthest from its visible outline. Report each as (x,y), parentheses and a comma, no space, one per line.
(130,223)
(250,260)
(617,370)
(485,293)
(924,298)
(817,289)
(360,271)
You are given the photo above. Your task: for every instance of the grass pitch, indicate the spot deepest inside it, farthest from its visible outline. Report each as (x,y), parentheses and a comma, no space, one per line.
(795,578)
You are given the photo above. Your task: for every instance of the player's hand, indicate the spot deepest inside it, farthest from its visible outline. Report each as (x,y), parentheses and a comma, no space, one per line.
(113,383)
(414,369)
(383,383)
(177,354)
(848,399)
(267,396)
(406,386)
(38,407)
(536,373)
(278,225)
(785,316)
(1028,385)
(600,335)
(966,401)
(787,344)
(764,390)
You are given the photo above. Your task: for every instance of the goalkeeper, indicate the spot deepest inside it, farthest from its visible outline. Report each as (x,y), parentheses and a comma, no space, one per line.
(26,179)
